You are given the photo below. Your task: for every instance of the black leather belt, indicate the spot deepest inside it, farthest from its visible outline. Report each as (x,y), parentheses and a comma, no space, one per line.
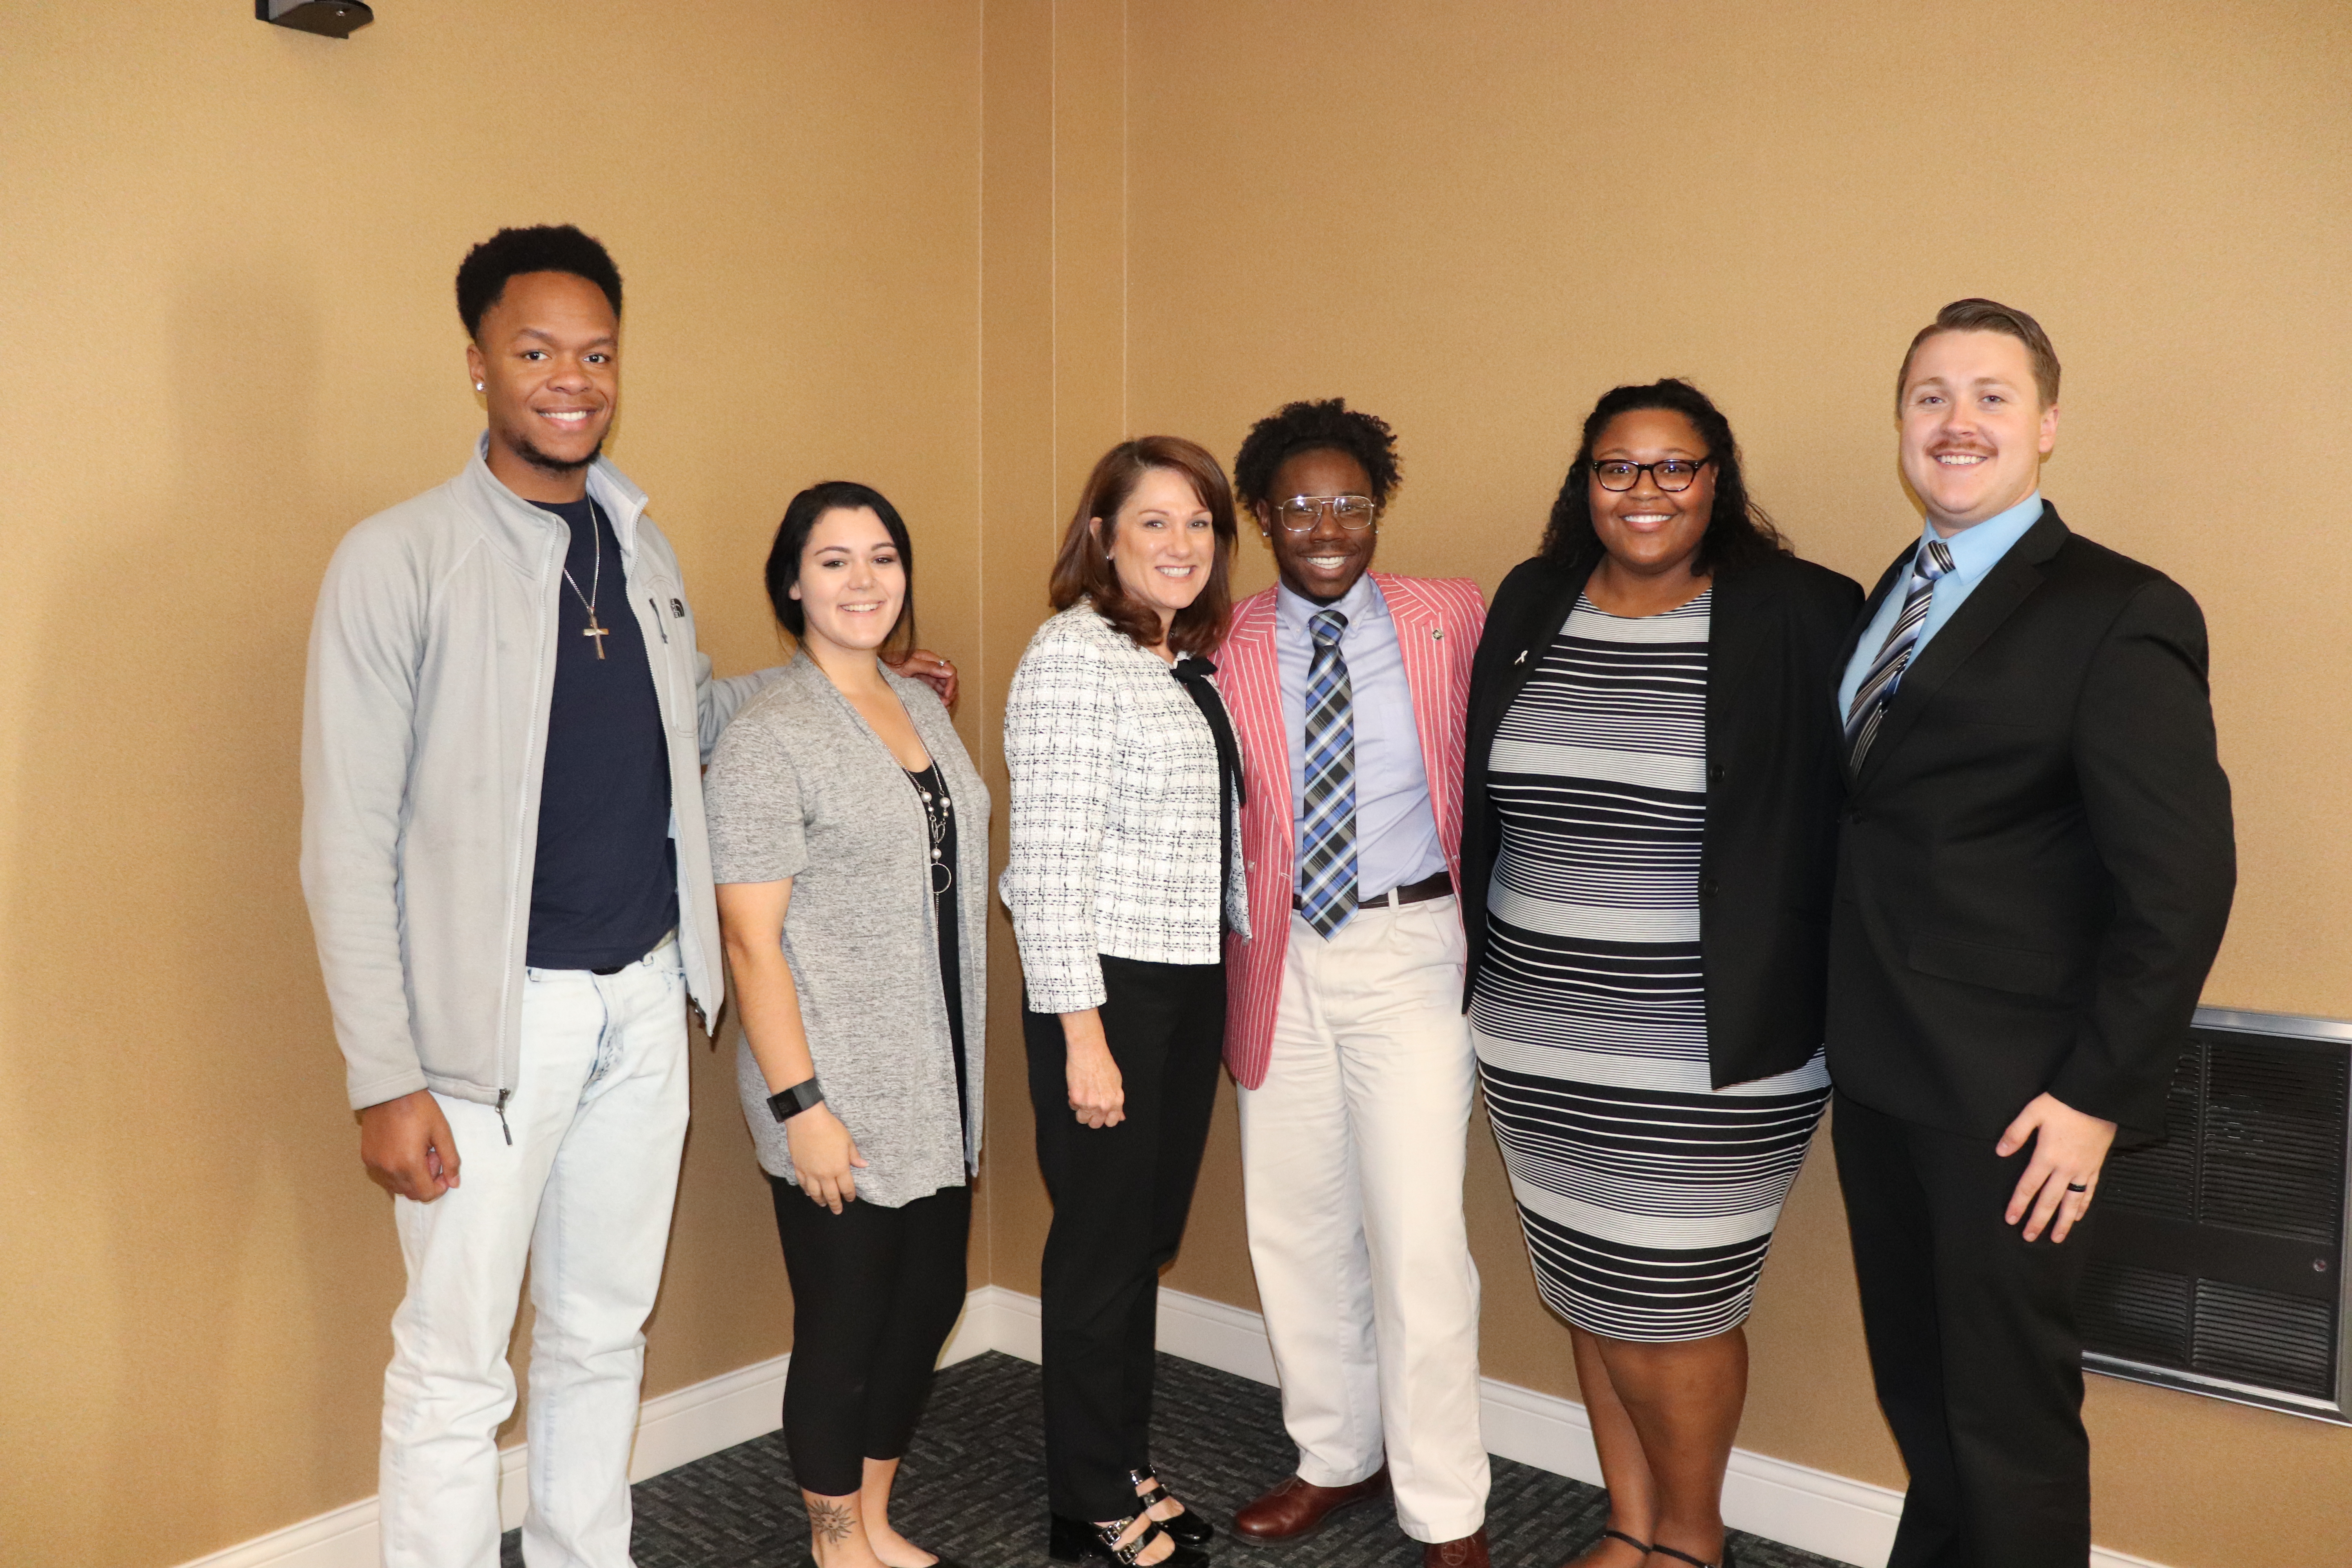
(1438,886)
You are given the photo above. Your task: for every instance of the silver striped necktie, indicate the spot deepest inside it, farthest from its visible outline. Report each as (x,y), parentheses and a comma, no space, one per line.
(1326,834)
(1877,689)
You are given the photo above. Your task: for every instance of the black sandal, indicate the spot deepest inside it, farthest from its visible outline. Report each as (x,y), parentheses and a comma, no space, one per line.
(1186,1529)
(1641,1547)
(1728,1559)
(1083,1540)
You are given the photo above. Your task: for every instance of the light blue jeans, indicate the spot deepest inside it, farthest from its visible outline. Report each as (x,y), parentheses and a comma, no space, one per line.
(583,1193)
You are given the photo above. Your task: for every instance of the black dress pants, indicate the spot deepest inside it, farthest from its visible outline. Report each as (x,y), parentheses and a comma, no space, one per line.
(1121,1198)
(876,1292)
(1973,1346)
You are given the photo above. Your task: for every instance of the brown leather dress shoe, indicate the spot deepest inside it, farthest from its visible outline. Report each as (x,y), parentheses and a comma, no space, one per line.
(1295,1509)
(1470,1552)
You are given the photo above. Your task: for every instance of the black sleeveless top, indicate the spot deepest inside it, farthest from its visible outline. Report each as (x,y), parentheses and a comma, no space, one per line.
(939,812)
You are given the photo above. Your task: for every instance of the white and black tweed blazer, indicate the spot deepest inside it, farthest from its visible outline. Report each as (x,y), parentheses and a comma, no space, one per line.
(1115,831)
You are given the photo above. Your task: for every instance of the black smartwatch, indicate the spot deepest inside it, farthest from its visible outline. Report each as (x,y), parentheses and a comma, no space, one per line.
(787,1103)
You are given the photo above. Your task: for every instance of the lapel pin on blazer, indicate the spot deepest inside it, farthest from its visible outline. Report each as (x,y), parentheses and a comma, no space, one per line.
(1521,659)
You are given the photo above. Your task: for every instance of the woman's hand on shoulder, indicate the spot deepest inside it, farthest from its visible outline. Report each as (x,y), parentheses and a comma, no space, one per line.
(921,663)
(823,1155)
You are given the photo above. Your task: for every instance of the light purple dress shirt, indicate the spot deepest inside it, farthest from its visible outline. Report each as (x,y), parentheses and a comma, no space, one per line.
(1396,829)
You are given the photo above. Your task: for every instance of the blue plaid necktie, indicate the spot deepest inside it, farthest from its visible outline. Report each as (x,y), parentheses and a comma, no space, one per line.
(1326,834)
(1877,689)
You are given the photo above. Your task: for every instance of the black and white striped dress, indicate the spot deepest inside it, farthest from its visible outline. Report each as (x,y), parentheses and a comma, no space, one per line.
(1648,1196)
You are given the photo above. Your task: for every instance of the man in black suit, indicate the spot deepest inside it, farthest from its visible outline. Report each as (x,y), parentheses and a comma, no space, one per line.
(2035,870)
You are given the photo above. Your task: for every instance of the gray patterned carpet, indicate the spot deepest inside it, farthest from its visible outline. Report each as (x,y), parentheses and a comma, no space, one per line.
(973,1487)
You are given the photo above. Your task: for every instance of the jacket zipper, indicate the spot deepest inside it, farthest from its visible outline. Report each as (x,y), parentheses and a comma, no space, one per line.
(655,606)
(654,603)
(553,557)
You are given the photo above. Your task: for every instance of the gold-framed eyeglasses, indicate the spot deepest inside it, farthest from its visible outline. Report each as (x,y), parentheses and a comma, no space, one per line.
(1672,475)
(1300,513)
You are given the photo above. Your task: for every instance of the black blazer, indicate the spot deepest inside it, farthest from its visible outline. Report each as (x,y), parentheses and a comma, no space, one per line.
(1772,794)
(2036,863)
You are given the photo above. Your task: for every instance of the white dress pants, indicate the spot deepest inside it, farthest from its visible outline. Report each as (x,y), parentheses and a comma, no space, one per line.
(584,1193)
(1352,1155)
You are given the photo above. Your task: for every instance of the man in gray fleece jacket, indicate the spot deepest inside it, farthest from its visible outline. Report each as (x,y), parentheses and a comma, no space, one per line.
(503,851)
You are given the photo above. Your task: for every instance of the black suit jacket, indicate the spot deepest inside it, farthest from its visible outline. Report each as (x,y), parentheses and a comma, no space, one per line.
(1772,796)
(2037,861)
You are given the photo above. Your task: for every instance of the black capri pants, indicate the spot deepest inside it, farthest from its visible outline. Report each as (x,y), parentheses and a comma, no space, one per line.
(1121,1195)
(876,1292)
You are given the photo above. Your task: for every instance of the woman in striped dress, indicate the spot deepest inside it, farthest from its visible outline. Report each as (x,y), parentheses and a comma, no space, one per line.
(1649,820)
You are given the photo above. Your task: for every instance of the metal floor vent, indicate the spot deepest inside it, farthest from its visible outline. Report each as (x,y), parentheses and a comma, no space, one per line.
(2217,1257)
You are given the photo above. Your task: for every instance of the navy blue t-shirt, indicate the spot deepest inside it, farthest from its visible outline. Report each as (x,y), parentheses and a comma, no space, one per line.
(604,888)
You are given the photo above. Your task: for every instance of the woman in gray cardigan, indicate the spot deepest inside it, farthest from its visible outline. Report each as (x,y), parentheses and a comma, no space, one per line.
(849,838)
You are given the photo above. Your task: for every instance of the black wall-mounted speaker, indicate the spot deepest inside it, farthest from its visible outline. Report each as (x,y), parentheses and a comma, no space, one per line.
(330,18)
(2217,1257)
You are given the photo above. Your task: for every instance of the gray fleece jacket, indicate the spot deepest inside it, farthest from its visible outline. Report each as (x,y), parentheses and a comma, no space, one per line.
(423,733)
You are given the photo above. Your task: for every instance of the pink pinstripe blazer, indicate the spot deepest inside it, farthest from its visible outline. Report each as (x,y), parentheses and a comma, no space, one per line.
(1437,621)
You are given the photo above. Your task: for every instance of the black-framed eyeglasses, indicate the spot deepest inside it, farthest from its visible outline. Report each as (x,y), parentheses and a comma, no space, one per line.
(1300,513)
(1672,475)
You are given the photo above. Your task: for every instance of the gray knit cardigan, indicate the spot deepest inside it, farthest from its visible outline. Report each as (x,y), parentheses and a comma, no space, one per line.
(801,787)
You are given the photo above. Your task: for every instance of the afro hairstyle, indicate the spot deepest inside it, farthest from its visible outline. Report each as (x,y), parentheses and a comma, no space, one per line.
(549,248)
(1329,425)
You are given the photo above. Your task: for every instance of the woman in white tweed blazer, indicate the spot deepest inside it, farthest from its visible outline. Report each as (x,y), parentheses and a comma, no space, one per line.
(1123,882)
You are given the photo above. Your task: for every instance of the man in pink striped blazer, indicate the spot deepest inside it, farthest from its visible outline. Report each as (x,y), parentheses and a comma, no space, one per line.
(1344,1023)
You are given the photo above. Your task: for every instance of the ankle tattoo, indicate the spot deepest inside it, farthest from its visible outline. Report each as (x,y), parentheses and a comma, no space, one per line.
(831,1522)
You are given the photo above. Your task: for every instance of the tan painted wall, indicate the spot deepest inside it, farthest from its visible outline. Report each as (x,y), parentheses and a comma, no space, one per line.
(1474,219)
(1055,391)
(957,250)
(228,336)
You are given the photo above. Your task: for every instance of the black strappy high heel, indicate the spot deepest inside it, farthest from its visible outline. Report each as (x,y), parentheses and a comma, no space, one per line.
(1729,1560)
(1083,1540)
(1641,1546)
(1188,1528)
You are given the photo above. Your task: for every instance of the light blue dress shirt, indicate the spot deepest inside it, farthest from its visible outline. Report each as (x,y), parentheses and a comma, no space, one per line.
(1975,552)
(1396,830)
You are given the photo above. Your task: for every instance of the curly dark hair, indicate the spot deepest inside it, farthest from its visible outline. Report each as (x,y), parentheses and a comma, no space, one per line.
(549,248)
(1315,427)
(1738,532)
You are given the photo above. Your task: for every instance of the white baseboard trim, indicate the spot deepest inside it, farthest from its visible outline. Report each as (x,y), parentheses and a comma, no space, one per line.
(673,1429)
(1850,1520)
(341,1537)
(1815,1510)
(995,1319)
